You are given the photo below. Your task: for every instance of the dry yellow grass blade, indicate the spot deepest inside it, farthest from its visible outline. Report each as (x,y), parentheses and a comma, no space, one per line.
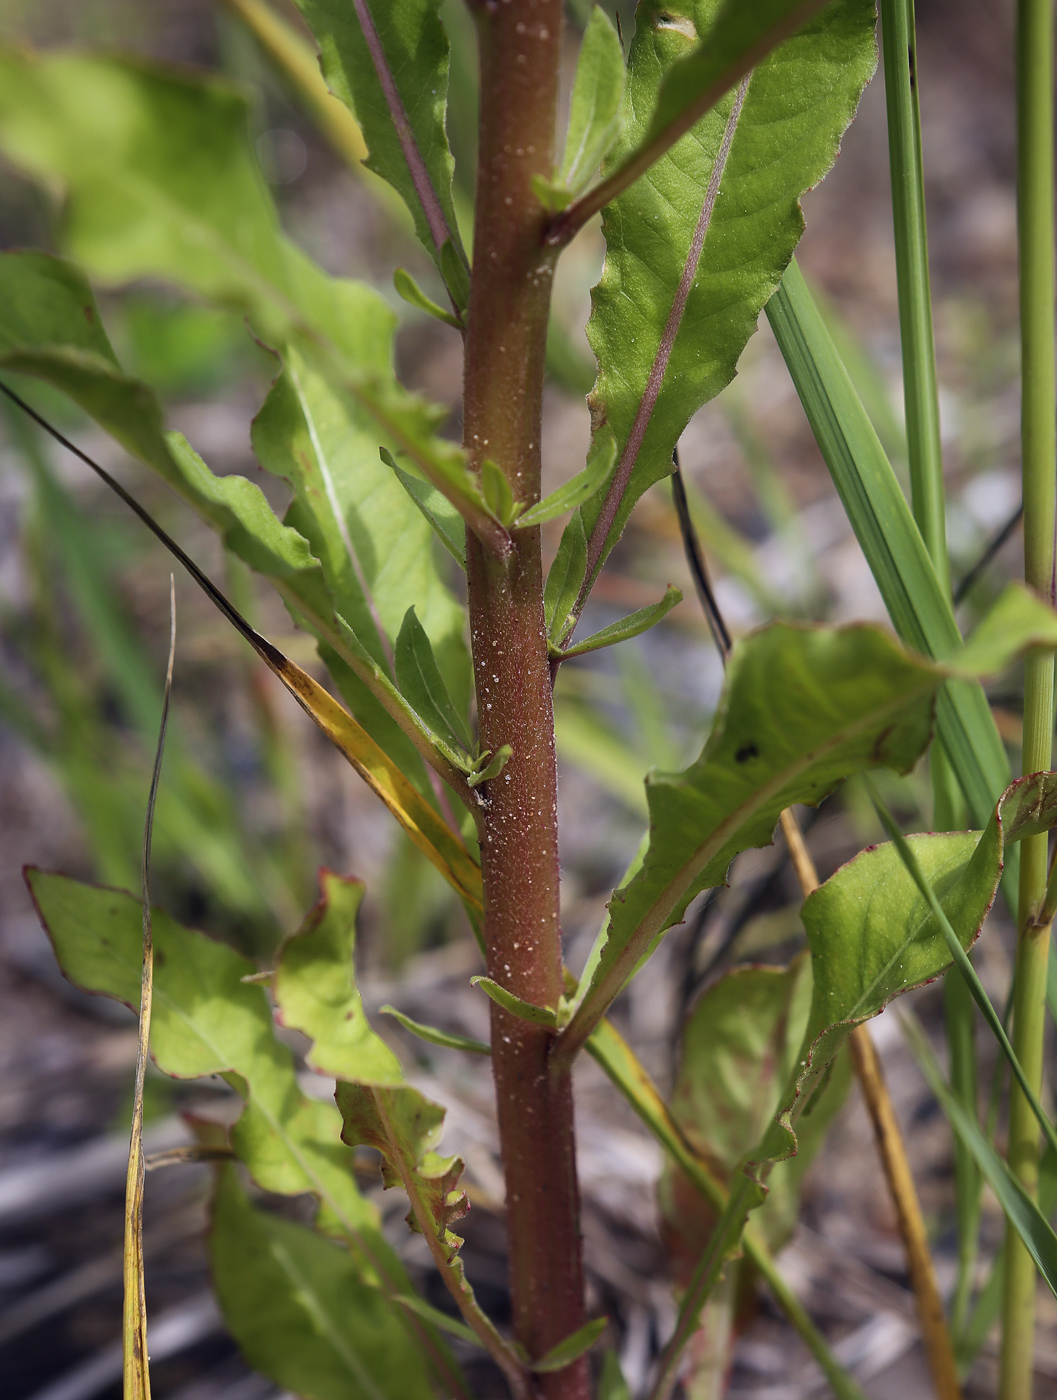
(136,1361)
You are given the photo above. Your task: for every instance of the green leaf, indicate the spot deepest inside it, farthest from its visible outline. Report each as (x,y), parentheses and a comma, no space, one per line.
(315,985)
(631,626)
(409,290)
(611,1383)
(574,1346)
(445,520)
(1020,1210)
(600,463)
(765,154)
(497,493)
(207,1020)
(315,990)
(436,1037)
(443,1320)
(420,680)
(456,275)
(801,709)
(414,52)
(919,607)
(162,182)
(489,766)
(523,1010)
(564,580)
(300,1310)
(594,106)
(739,1051)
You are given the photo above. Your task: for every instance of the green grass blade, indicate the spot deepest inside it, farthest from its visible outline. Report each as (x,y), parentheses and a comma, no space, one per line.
(919,609)
(1021,1211)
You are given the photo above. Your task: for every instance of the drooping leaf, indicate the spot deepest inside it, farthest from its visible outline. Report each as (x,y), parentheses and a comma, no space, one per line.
(631,626)
(594,106)
(767,145)
(301,1313)
(800,710)
(207,1019)
(564,580)
(407,42)
(316,992)
(600,463)
(420,681)
(739,1048)
(877,509)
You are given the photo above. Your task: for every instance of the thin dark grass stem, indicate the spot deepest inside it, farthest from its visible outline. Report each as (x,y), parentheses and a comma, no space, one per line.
(992,548)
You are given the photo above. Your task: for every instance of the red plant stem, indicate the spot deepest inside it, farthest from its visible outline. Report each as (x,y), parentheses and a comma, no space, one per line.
(505,344)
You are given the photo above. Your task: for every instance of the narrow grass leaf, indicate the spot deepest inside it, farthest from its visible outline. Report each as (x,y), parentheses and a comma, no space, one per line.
(1020,1210)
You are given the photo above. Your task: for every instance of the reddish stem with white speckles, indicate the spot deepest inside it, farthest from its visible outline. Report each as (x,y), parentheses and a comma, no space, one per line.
(505,345)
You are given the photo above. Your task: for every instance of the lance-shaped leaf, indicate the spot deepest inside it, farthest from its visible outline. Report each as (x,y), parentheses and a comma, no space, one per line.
(389,64)
(420,681)
(594,110)
(694,251)
(316,992)
(631,626)
(300,1312)
(739,1051)
(369,536)
(600,463)
(564,581)
(801,709)
(444,519)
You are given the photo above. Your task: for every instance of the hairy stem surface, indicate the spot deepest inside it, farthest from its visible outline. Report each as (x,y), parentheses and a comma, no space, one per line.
(505,347)
(1035,231)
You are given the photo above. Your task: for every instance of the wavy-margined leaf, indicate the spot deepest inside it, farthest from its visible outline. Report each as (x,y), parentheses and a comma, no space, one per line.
(316,992)
(801,709)
(667,334)
(300,1312)
(739,1050)
(872,936)
(206,1020)
(369,46)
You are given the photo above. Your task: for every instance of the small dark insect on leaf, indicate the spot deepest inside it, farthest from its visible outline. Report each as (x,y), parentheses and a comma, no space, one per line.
(746,752)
